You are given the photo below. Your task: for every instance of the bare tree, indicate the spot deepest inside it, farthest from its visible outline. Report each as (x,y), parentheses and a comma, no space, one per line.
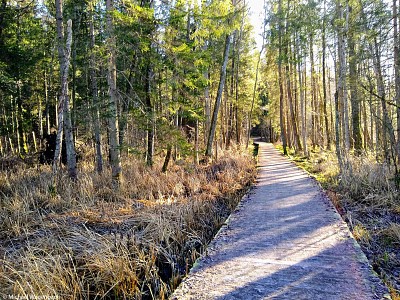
(213,125)
(115,161)
(324,89)
(280,79)
(353,80)
(396,73)
(64,117)
(95,97)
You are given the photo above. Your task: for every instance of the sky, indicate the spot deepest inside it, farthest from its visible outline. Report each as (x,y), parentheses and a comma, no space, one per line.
(256,17)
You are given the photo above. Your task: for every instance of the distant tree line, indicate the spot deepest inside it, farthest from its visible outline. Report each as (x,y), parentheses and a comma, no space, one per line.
(331,76)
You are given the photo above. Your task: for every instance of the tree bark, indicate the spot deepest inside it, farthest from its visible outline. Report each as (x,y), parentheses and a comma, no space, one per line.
(151,119)
(325,100)
(114,150)
(355,103)
(77,20)
(213,125)
(21,142)
(292,110)
(167,159)
(47,104)
(396,74)
(387,124)
(342,75)
(302,102)
(337,132)
(64,120)
(95,96)
(280,80)
(313,95)
(341,93)
(207,106)
(196,142)
(341,85)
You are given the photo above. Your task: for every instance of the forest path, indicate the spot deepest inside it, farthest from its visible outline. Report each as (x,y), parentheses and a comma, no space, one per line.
(284,241)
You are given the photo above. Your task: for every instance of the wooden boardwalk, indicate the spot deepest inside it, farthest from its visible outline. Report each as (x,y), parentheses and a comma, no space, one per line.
(284,241)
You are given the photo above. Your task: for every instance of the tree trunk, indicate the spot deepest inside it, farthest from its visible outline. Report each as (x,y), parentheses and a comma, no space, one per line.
(95,96)
(69,140)
(64,121)
(213,125)
(302,103)
(238,121)
(230,114)
(341,85)
(281,93)
(355,103)
(236,108)
(22,146)
(47,104)
(387,124)
(167,159)
(313,95)
(325,100)
(396,74)
(196,142)
(114,151)
(342,75)
(207,106)
(151,119)
(73,68)
(341,93)
(365,119)
(337,132)
(292,110)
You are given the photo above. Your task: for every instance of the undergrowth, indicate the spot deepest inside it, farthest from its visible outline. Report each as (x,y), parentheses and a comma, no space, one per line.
(366,196)
(84,240)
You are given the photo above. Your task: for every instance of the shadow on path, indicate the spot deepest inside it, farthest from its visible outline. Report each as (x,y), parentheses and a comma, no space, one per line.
(284,241)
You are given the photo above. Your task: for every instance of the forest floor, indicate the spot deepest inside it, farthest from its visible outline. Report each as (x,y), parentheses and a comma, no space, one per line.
(285,241)
(84,240)
(368,200)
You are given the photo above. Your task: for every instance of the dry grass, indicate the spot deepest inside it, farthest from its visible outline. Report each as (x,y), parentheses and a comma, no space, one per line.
(86,241)
(370,183)
(361,234)
(371,201)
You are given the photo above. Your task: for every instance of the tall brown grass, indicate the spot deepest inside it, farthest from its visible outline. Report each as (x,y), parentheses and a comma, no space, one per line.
(85,240)
(371,183)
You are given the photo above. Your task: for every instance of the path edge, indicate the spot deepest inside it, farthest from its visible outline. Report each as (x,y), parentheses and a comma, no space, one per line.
(362,258)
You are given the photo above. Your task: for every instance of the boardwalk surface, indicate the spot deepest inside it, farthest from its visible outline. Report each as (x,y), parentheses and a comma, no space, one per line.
(285,241)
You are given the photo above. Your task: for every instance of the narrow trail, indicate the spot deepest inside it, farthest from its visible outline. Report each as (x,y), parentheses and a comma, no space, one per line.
(284,241)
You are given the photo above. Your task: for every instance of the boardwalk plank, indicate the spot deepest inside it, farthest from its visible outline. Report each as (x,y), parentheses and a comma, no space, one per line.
(285,241)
